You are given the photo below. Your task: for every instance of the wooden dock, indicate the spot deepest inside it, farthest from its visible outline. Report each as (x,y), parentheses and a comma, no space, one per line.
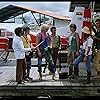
(47,86)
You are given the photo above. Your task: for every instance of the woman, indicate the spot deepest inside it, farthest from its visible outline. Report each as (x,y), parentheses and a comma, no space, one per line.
(73,48)
(85,53)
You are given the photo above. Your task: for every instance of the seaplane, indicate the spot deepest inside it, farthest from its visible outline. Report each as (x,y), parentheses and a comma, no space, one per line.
(19,10)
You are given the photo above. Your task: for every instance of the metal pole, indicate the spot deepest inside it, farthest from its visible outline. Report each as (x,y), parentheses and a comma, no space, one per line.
(35,19)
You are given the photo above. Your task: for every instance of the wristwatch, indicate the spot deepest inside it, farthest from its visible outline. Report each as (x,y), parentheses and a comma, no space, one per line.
(86,55)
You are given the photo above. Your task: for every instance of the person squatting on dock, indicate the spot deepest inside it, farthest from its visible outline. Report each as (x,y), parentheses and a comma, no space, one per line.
(43,50)
(19,52)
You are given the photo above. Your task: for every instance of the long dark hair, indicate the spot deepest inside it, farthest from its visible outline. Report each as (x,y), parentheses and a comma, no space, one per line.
(18,31)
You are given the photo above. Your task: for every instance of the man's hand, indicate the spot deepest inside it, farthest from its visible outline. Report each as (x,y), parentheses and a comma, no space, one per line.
(85,59)
(33,48)
(77,53)
(94,37)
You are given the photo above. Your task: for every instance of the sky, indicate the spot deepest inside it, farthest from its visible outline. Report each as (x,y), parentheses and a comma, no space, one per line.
(61,8)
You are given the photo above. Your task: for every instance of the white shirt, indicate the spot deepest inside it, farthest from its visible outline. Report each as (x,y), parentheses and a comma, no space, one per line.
(18,47)
(88,43)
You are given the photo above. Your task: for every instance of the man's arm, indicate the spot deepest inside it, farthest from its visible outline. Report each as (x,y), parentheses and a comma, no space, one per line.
(95,38)
(37,41)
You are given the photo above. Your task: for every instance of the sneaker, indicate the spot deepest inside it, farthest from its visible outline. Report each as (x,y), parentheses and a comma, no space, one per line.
(20,82)
(40,78)
(30,78)
(50,73)
(26,79)
(53,77)
(86,82)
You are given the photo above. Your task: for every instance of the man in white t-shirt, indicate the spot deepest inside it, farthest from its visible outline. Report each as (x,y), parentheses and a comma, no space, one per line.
(19,52)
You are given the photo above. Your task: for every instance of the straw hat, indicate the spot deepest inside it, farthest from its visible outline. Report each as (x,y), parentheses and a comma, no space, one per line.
(85,30)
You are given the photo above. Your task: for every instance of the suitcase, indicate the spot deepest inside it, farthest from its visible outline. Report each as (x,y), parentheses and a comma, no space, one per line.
(63,73)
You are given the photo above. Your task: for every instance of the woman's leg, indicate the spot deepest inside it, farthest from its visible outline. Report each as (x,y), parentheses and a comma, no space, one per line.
(75,64)
(88,68)
(40,67)
(88,63)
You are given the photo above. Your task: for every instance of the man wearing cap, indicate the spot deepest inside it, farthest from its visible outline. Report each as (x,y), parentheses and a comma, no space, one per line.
(85,53)
(96,38)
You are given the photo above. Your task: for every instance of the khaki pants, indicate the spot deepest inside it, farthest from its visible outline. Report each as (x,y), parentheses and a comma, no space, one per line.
(20,69)
(70,57)
(55,55)
(96,61)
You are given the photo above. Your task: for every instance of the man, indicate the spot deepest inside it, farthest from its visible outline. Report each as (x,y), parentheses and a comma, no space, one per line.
(96,38)
(55,44)
(19,52)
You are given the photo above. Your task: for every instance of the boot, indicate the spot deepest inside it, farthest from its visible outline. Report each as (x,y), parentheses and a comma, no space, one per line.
(98,75)
(88,78)
(40,76)
(76,71)
(53,76)
(75,74)
(70,70)
(98,72)
(44,69)
(28,74)
(27,78)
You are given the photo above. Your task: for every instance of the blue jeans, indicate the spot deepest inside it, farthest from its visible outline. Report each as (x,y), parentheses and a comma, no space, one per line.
(87,63)
(47,56)
(28,61)
(29,65)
